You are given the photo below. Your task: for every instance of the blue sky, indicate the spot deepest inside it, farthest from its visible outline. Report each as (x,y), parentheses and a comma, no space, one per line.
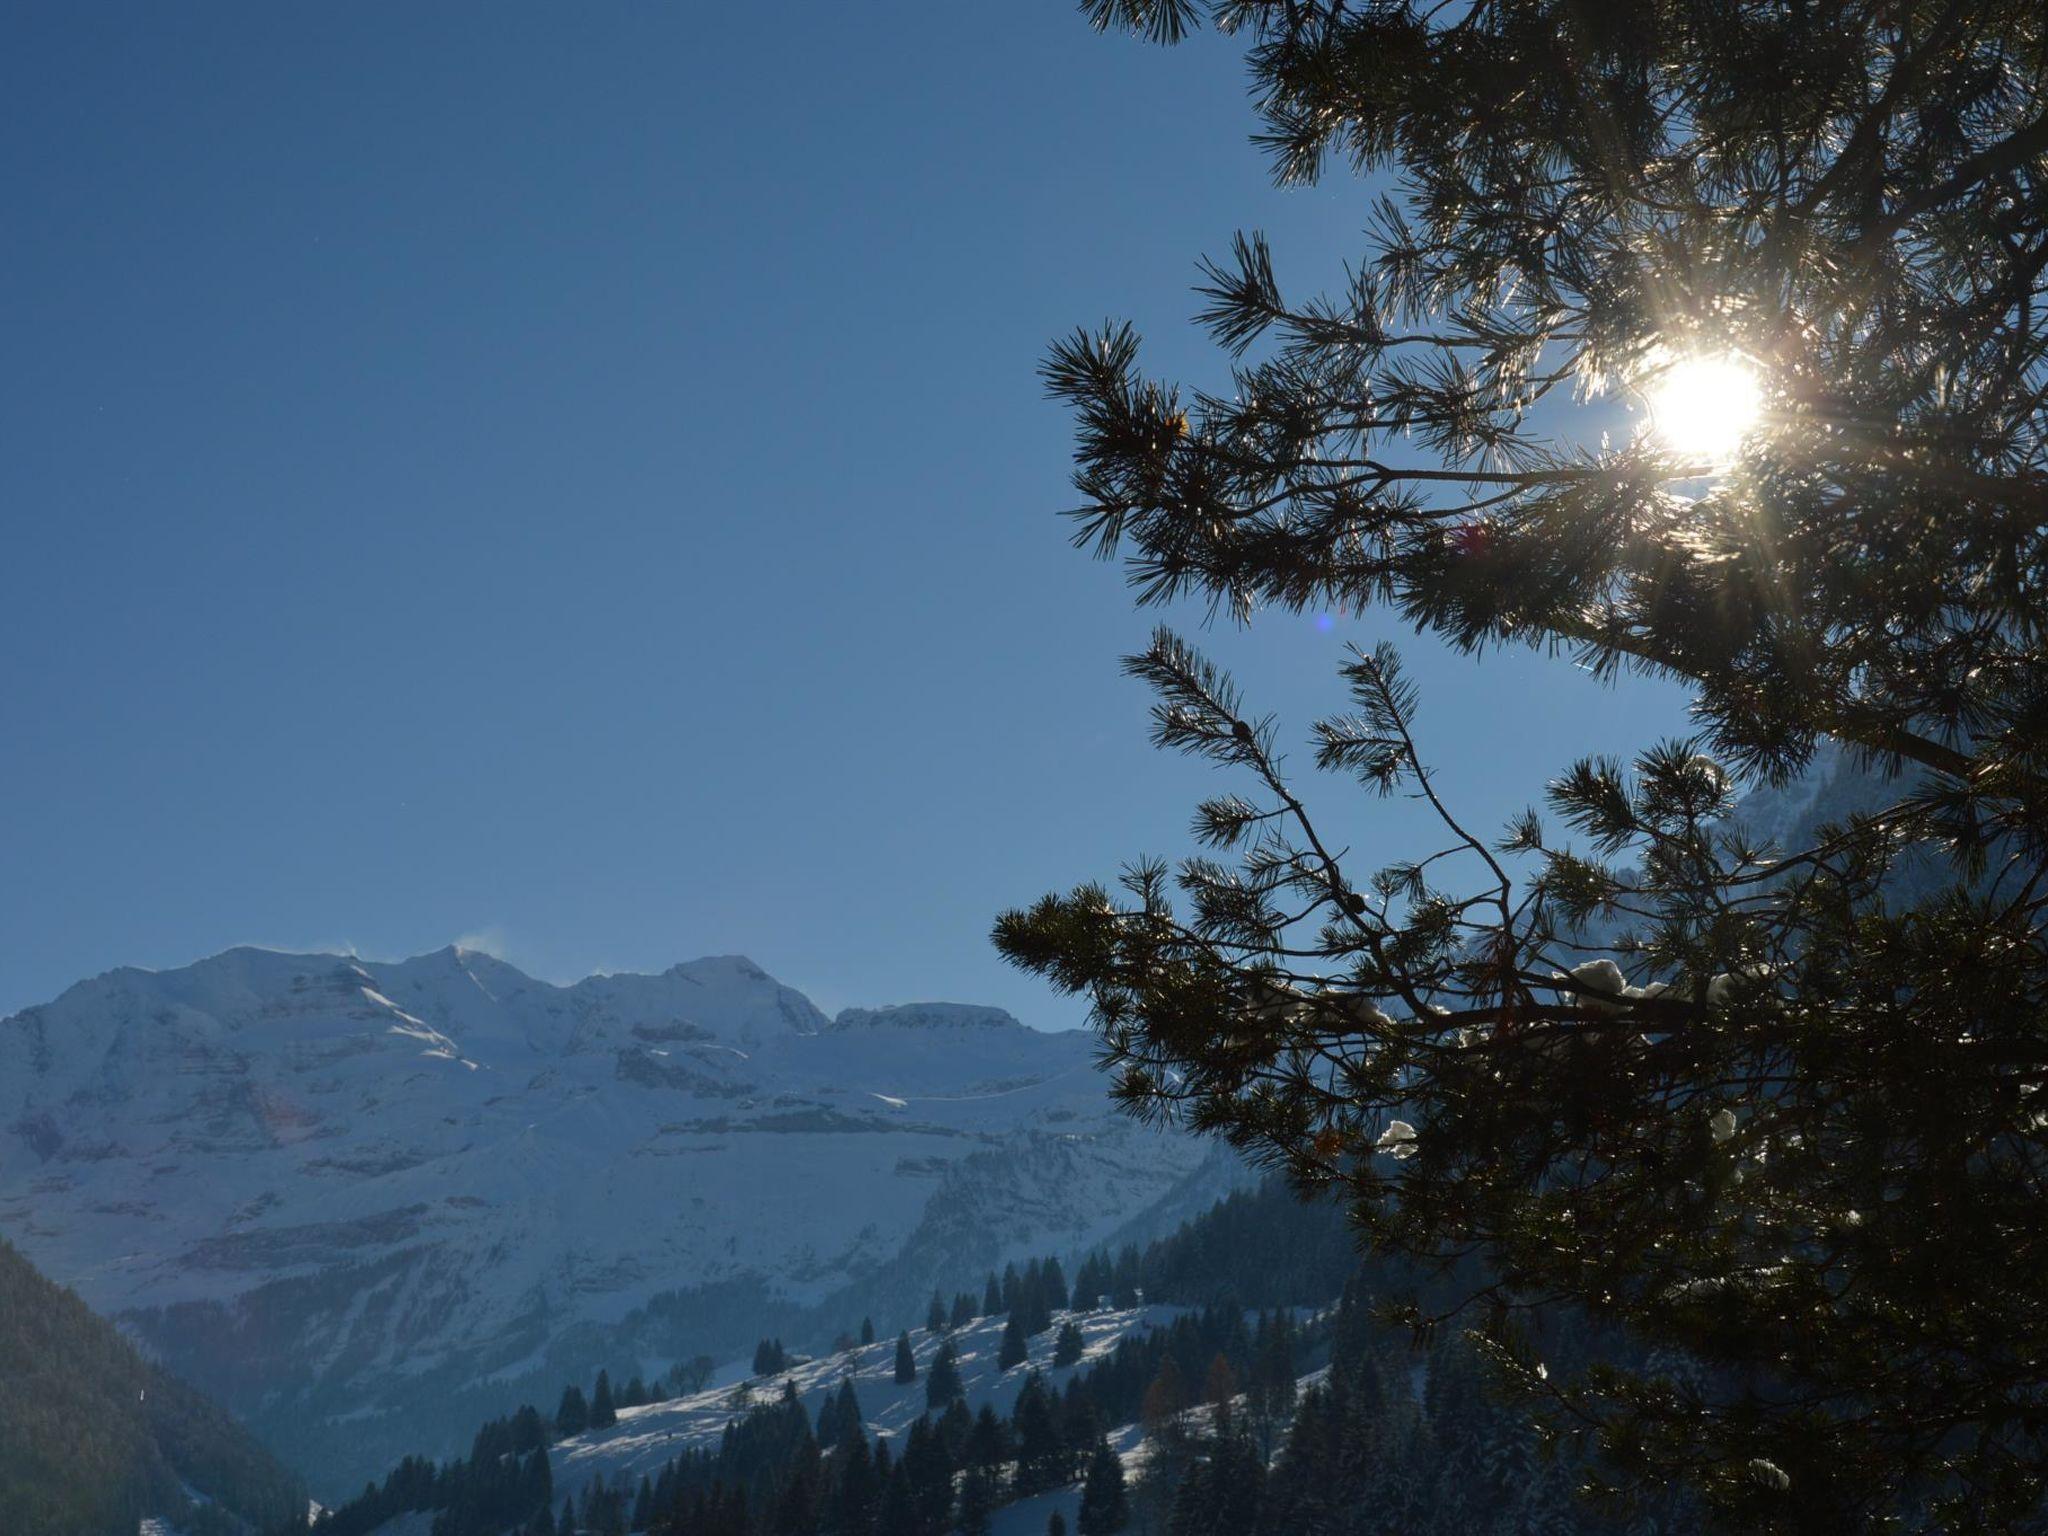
(574,479)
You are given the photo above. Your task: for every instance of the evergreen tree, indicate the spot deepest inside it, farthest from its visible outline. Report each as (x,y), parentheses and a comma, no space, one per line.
(1270,1395)
(573,1416)
(1067,1344)
(867,1330)
(799,1497)
(1091,1282)
(1784,1124)
(963,1310)
(942,1382)
(528,1433)
(930,1473)
(1105,1508)
(1194,1501)
(1012,1282)
(847,1507)
(603,1413)
(847,1423)
(977,1501)
(991,1297)
(1124,1280)
(1056,1524)
(956,1428)
(1015,1348)
(1041,1448)
(935,1315)
(1082,1421)
(906,1362)
(989,1443)
(896,1510)
(1054,1280)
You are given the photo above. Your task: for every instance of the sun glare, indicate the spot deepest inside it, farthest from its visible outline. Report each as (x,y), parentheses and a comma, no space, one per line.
(1703,407)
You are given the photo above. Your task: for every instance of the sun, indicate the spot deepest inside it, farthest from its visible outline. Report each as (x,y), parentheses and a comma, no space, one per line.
(1703,407)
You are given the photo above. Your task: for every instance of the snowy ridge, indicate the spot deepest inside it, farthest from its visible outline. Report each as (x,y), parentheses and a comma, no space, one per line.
(331,1190)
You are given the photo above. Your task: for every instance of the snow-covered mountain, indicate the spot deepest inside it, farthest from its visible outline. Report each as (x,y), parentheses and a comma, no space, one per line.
(397,1196)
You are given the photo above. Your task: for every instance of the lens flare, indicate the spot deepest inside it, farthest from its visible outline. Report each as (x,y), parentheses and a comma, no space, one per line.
(1703,407)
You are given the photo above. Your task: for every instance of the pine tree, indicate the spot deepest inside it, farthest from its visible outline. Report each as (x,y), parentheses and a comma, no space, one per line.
(1067,1344)
(1270,1397)
(847,1507)
(930,1472)
(989,1443)
(1082,1419)
(1124,1280)
(963,1310)
(991,1297)
(798,1499)
(1089,1284)
(1194,1502)
(1056,1524)
(1016,1347)
(1056,1296)
(956,1428)
(1041,1448)
(942,1382)
(935,1315)
(906,1362)
(1012,1284)
(1105,1508)
(977,1501)
(867,1330)
(845,1415)
(573,1416)
(603,1413)
(1765,1105)
(827,1431)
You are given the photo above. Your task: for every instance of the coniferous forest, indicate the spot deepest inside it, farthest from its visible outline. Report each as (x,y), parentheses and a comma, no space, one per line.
(1306,1412)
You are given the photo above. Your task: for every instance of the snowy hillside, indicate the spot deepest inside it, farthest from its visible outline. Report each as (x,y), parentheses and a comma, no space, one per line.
(650,1436)
(645,1438)
(401,1195)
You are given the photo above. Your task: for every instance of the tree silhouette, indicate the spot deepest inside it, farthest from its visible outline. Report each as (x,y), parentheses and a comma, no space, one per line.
(1774,1107)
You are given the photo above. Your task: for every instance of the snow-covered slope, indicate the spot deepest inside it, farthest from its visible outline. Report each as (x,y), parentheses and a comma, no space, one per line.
(397,1196)
(646,1438)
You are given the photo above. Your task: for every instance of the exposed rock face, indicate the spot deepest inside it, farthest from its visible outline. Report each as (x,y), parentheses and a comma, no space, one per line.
(340,1192)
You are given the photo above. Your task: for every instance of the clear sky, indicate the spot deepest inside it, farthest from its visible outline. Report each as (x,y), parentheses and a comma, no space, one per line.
(573,479)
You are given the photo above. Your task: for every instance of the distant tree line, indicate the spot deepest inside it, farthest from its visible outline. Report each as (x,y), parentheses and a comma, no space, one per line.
(502,1485)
